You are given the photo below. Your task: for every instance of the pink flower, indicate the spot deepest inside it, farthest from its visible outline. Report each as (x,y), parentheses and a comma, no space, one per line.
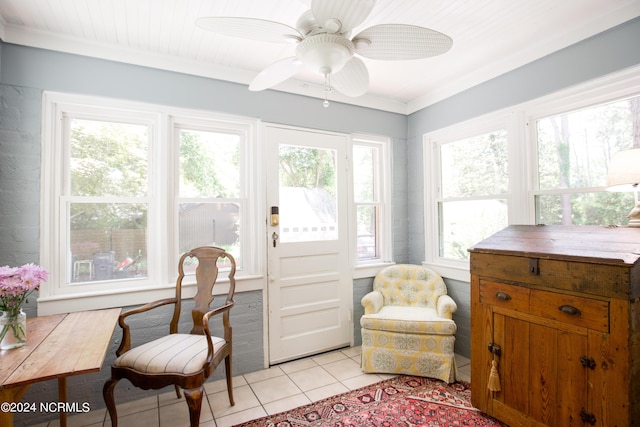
(17,283)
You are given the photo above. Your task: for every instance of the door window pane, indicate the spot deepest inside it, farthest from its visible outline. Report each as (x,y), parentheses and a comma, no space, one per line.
(308,206)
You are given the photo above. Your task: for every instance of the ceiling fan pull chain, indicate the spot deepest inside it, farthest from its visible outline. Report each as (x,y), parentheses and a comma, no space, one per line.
(327,89)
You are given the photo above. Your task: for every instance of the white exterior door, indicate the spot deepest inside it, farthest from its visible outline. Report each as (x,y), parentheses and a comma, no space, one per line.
(310,282)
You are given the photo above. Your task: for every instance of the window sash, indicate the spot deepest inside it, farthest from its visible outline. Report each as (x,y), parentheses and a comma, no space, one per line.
(368,252)
(58,295)
(438,230)
(520,120)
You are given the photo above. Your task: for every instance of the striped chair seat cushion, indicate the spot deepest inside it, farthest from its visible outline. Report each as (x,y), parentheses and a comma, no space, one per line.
(174,353)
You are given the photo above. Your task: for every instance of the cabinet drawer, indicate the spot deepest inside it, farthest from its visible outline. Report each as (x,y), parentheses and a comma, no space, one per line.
(505,296)
(586,312)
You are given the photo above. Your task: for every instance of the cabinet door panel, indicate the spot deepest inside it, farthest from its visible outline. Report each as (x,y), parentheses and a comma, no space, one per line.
(542,373)
(515,361)
(572,378)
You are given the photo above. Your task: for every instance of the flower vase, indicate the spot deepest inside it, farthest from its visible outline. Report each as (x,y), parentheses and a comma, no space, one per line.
(13,329)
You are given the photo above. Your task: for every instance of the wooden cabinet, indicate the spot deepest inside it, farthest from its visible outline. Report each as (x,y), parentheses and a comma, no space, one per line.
(558,309)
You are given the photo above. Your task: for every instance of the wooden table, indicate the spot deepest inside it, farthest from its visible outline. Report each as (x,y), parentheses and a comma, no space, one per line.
(57,346)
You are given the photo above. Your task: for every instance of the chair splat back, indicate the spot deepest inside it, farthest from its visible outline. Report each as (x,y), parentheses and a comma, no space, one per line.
(206,276)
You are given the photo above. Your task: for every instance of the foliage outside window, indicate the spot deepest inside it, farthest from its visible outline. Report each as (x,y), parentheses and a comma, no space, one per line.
(308,194)
(474,182)
(552,170)
(573,154)
(210,201)
(108,207)
(127,188)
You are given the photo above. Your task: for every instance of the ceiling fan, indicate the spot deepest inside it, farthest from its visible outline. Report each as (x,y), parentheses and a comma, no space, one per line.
(324,43)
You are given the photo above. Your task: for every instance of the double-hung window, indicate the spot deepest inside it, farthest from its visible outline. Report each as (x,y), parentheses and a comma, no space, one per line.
(212,188)
(543,162)
(573,150)
(468,173)
(371,194)
(128,187)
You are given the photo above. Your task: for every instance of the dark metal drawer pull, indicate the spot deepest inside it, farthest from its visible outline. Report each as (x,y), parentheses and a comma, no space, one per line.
(503,296)
(569,309)
(587,417)
(588,362)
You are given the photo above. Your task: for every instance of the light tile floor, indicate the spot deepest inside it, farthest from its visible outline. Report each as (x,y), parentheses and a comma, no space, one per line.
(257,394)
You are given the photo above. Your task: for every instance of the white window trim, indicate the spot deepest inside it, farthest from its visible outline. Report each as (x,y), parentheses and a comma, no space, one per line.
(446,267)
(522,154)
(369,268)
(55,295)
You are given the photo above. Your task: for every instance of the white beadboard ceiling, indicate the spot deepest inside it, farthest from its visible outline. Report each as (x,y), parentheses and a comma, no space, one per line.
(490,37)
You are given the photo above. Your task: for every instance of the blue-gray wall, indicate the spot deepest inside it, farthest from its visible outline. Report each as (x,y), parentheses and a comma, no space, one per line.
(26,72)
(605,53)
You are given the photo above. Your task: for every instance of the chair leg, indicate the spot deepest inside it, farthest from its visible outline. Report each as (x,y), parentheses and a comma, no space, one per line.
(227,368)
(107,394)
(194,400)
(178,391)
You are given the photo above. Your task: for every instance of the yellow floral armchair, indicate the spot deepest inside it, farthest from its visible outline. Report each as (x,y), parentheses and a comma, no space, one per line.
(407,326)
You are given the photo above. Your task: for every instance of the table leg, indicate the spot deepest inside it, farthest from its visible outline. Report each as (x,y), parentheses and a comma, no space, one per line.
(62,397)
(10,394)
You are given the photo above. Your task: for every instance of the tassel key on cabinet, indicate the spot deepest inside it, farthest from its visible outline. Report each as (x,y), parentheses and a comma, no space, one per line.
(494,379)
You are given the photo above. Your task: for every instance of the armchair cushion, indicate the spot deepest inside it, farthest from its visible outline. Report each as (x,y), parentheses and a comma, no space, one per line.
(407,326)
(174,353)
(412,320)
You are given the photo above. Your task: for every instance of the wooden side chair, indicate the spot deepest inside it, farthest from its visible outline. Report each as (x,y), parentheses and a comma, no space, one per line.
(182,360)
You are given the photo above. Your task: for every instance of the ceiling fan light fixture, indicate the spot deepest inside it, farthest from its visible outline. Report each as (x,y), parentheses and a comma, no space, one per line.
(325,53)
(325,46)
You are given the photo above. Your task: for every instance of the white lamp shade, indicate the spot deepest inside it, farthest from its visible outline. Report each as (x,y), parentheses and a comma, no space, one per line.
(624,171)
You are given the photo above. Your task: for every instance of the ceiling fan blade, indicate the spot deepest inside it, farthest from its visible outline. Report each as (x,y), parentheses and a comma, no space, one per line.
(350,13)
(353,79)
(250,28)
(275,73)
(396,42)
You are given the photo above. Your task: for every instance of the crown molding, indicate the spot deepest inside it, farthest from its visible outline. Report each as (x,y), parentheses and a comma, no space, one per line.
(55,42)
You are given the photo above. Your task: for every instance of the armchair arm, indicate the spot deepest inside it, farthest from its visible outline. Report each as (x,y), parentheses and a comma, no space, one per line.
(446,306)
(207,333)
(372,302)
(125,345)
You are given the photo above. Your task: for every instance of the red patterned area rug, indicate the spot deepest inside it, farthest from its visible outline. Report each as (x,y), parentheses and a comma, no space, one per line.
(397,402)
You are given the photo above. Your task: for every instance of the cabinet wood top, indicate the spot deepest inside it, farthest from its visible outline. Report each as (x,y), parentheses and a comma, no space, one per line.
(610,245)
